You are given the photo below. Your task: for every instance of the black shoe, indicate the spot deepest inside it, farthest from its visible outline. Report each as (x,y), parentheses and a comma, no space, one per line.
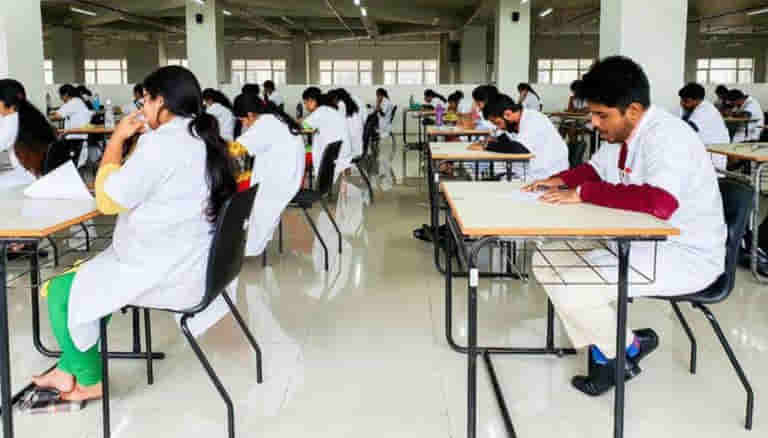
(601,377)
(648,340)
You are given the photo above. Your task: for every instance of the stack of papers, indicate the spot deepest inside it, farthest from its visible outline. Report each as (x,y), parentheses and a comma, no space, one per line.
(63,183)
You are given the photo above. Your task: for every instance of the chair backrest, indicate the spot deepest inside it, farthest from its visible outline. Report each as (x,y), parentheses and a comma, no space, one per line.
(369,132)
(576,150)
(328,168)
(59,152)
(737,208)
(227,251)
(392,116)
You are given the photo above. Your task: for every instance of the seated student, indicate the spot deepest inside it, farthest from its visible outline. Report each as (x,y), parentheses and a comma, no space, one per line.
(576,105)
(384,110)
(705,119)
(652,163)
(85,94)
(430,96)
(457,104)
(75,114)
(330,125)
(167,195)
(526,130)
(722,99)
(135,105)
(746,106)
(353,116)
(270,94)
(219,106)
(481,96)
(274,140)
(528,97)
(253,89)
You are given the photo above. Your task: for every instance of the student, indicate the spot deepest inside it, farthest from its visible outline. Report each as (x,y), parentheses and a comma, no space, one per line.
(576,105)
(272,95)
(138,95)
(457,104)
(705,119)
(530,129)
(219,106)
(274,140)
(528,98)
(167,195)
(75,114)
(85,94)
(652,163)
(384,110)
(251,89)
(353,116)
(481,96)
(746,106)
(330,125)
(722,99)
(431,95)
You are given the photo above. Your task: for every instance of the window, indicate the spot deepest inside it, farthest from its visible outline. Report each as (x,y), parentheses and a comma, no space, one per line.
(258,71)
(48,71)
(725,71)
(106,71)
(346,72)
(181,62)
(410,72)
(562,71)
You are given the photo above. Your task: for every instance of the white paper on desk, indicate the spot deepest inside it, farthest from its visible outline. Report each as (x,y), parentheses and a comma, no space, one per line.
(63,183)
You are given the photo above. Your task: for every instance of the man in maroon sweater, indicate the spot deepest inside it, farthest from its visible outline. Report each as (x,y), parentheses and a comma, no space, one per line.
(654,164)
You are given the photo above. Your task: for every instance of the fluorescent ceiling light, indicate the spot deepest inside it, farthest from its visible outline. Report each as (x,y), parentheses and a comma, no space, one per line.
(357,2)
(522,2)
(364,12)
(199,2)
(287,20)
(82,11)
(545,12)
(226,12)
(758,11)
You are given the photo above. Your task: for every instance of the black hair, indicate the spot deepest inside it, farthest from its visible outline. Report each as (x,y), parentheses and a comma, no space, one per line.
(82,91)
(35,134)
(218,97)
(138,89)
(382,92)
(317,95)
(693,91)
(68,90)
(342,95)
(735,95)
(526,86)
(456,96)
(181,92)
(269,85)
(721,90)
(251,89)
(501,103)
(485,93)
(575,85)
(616,82)
(250,103)
(432,94)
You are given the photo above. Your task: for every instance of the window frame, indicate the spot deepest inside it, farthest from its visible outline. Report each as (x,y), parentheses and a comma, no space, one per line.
(276,65)
(182,62)
(423,71)
(358,72)
(48,71)
(707,70)
(582,66)
(123,69)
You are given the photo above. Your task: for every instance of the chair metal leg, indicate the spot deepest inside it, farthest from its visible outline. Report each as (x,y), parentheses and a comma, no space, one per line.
(365,178)
(212,375)
(55,251)
(280,233)
(688,332)
(333,221)
(87,237)
(319,237)
(148,331)
(136,330)
(734,363)
(248,334)
(104,378)
(264,258)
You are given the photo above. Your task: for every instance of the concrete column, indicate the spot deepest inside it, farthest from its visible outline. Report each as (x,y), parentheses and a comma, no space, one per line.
(691,51)
(474,59)
(445,65)
(624,30)
(140,60)
(68,55)
(298,68)
(205,43)
(513,44)
(162,50)
(21,46)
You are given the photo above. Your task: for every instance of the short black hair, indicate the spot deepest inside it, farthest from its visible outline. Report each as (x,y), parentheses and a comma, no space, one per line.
(251,89)
(499,104)
(138,89)
(721,90)
(736,95)
(68,90)
(616,82)
(313,93)
(693,91)
(269,85)
(485,93)
(575,85)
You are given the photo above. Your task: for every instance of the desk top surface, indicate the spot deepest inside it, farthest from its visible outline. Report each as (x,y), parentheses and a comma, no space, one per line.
(569,115)
(459,151)
(24,217)
(500,209)
(455,130)
(743,151)
(89,129)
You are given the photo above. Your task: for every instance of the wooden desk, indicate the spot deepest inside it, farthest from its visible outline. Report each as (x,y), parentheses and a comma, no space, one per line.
(735,121)
(570,116)
(469,204)
(435,131)
(458,151)
(90,130)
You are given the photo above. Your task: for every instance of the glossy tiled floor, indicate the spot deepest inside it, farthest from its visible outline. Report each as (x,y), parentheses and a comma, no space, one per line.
(361,351)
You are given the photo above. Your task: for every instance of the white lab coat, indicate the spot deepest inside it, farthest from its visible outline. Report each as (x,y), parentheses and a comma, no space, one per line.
(532,102)
(226,120)
(160,245)
(17,175)
(76,115)
(754,128)
(711,129)
(664,152)
(464,107)
(538,134)
(385,122)
(276,98)
(355,125)
(278,168)
(331,127)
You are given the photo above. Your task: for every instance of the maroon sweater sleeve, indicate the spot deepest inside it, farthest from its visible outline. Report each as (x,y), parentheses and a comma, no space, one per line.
(645,198)
(579,175)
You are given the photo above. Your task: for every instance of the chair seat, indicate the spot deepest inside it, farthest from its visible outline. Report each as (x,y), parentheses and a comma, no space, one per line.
(714,293)
(305,198)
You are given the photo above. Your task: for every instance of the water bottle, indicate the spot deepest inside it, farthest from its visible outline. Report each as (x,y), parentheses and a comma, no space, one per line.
(109,115)
(96,102)
(439,110)
(410,102)
(48,105)
(299,110)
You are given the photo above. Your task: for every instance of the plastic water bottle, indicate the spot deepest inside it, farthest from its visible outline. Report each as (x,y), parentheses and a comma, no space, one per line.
(109,115)
(439,110)
(48,103)
(410,102)
(96,102)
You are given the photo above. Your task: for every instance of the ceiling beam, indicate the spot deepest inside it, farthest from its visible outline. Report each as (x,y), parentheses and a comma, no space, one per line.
(338,15)
(479,7)
(249,17)
(119,14)
(370,26)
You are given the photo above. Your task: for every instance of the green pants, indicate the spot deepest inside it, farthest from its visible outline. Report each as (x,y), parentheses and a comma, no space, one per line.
(84,365)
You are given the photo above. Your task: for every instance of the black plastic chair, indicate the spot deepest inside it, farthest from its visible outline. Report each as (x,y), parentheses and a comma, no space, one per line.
(61,151)
(392,123)
(306,198)
(369,136)
(225,260)
(737,205)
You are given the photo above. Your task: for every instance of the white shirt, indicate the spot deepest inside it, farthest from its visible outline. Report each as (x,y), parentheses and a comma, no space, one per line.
(276,98)
(225,118)
(331,127)
(160,246)
(532,102)
(711,128)
(757,120)
(17,175)
(355,125)
(385,124)
(76,115)
(464,107)
(579,103)
(665,153)
(538,134)
(278,168)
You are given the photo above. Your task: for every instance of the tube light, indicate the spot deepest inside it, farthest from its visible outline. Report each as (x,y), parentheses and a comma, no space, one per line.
(545,12)
(199,2)
(357,2)
(82,11)
(226,12)
(522,2)
(758,11)
(364,12)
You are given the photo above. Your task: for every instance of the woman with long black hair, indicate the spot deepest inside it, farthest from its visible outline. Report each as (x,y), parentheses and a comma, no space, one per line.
(219,106)
(167,195)
(384,110)
(330,125)
(274,140)
(430,95)
(529,99)
(353,115)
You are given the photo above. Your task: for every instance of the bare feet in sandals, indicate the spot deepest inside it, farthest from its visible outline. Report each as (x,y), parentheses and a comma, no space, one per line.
(82,393)
(56,379)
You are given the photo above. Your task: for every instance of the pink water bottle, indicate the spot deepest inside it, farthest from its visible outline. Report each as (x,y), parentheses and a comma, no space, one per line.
(439,110)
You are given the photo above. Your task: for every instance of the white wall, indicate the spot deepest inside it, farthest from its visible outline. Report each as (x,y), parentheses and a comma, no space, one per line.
(474,57)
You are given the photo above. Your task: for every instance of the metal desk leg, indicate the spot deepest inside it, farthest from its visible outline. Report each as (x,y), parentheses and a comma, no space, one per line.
(472,348)
(757,173)
(621,339)
(5,365)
